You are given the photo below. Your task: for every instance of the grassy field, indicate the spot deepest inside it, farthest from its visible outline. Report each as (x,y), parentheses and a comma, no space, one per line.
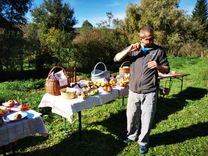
(180,128)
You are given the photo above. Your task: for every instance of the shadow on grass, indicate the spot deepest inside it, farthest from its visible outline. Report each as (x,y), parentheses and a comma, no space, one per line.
(179,135)
(167,106)
(116,123)
(24,143)
(93,143)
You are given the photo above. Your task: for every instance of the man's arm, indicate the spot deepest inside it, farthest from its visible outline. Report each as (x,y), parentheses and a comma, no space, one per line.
(119,56)
(163,69)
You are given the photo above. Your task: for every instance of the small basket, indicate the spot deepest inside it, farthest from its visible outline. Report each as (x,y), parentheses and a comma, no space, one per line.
(124,69)
(68,94)
(52,86)
(164,91)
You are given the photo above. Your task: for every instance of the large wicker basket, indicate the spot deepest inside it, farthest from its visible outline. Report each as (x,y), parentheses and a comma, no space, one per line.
(124,69)
(52,86)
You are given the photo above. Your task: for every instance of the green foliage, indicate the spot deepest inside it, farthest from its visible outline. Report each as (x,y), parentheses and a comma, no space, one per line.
(11,52)
(201,11)
(131,25)
(58,42)
(200,18)
(93,45)
(55,14)
(14,11)
(87,25)
(173,28)
(51,34)
(187,50)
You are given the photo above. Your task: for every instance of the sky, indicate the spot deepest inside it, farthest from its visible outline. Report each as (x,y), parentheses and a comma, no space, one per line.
(95,10)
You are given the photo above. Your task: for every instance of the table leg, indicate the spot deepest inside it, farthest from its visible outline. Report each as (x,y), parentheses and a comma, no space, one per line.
(181,83)
(170,83)
(64,124)
(4,150)
(122,100)
(13,148)
(80,123)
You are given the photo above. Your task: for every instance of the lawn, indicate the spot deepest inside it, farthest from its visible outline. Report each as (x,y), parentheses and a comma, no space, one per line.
(180,128)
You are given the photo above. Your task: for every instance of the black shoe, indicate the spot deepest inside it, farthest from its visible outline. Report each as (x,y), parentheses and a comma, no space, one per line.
(127,140)
(143,149)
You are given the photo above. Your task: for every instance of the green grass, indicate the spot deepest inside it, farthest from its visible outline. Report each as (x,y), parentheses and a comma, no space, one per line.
(181,123)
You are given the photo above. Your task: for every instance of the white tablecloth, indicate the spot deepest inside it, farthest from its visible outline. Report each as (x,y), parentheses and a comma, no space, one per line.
(13,131)
(67,108)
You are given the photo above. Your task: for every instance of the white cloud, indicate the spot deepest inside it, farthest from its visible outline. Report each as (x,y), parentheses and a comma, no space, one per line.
(113,4)
(119,15)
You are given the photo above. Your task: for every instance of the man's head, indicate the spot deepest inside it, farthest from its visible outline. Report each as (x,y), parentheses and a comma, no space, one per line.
(146,36)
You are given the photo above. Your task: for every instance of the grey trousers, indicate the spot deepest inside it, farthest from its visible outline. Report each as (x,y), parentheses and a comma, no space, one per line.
(140,113)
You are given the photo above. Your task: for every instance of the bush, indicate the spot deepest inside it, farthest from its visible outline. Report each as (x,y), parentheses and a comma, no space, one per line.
(193,49)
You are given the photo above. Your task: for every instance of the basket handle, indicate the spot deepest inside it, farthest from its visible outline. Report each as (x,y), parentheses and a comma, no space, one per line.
(64,70)
(123,64)
(98,64)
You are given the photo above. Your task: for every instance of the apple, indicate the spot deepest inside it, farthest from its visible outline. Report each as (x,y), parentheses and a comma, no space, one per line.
(11,103)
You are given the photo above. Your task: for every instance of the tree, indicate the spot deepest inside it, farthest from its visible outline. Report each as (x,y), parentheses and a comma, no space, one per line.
(131,25)
(201,11)
(52,13)
(14,11)
(87,25)
(11,17)
(106,23)
(94,45)
(110,17)
(200,19)
(164,16)
(54,23)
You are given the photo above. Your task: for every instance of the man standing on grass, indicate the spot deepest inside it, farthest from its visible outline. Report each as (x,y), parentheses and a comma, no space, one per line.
(146,60)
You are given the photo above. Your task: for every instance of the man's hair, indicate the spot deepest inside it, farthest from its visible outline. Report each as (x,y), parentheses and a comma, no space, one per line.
(147,28)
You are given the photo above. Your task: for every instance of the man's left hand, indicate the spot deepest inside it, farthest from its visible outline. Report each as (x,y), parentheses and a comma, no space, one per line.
(152,65)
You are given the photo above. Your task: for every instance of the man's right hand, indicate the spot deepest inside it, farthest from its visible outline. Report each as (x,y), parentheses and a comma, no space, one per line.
(134,47)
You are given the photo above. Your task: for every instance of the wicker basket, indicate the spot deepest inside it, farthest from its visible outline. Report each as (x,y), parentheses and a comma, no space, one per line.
(52,86)
(124,69)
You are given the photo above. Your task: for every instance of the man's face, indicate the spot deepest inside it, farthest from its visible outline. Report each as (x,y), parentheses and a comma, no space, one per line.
(146,38)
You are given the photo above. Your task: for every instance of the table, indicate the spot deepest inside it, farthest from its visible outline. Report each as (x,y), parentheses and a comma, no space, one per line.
(13,131)
(66,108)
(178,76)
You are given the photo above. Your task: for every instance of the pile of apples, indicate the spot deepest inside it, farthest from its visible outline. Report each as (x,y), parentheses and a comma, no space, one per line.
(113,82)
(124,81)
(107,88)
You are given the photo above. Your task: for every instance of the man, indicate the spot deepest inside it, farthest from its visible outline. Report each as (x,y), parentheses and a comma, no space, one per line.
(146,60)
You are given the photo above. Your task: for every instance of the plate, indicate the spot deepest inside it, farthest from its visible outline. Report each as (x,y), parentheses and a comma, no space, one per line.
(10,117)
(6,104)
